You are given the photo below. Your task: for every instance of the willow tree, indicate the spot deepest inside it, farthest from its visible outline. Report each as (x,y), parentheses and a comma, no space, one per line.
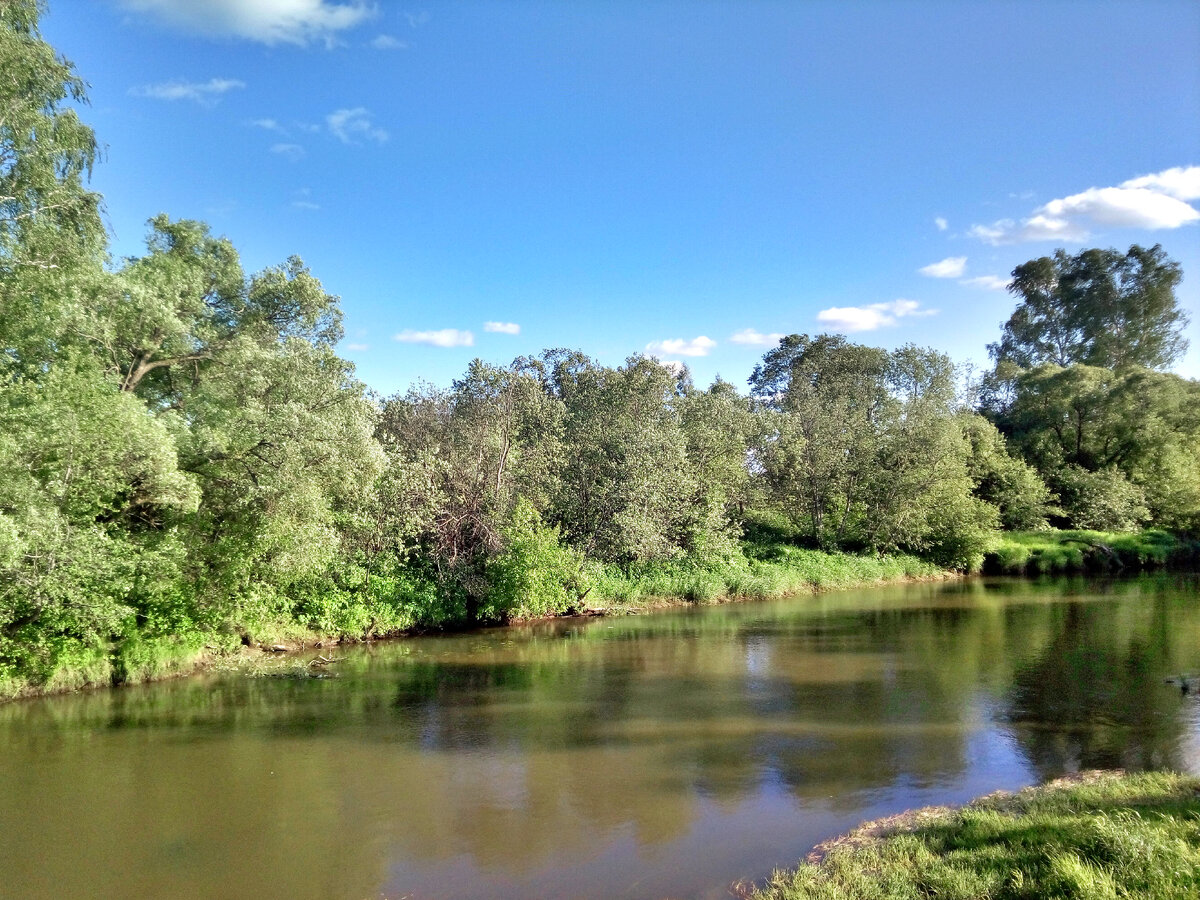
(1098,308)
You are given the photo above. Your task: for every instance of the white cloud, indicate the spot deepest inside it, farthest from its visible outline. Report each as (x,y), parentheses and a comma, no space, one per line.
(991,282)
(297,22)
(502,327)
(872,316)
(1152,202)
(674,366)
(416,20)
(387,42)
(269,125)
(358,348)
(351,125)
(445,337)
(950,267)
(941,223)
(679,347)
(1179,182)
(748,337)
(203,92)
(305,204)
(293,152)
(1035,228)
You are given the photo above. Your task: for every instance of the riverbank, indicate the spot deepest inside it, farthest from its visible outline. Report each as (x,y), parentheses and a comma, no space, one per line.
(1055,552)
(763,570)
(1091,836)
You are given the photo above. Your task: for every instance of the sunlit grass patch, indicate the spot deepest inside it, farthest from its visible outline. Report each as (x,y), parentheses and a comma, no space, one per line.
(1052,552)
(763,571)
(1108,836)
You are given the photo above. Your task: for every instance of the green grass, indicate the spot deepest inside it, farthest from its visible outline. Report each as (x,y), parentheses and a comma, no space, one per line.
(1109,836)
(1053,552)
(763,570)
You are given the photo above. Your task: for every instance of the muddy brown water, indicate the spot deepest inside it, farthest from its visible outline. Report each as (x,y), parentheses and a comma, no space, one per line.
(664,755)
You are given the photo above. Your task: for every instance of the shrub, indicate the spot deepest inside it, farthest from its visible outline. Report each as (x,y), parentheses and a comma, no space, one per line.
(536,574)
(1104,500)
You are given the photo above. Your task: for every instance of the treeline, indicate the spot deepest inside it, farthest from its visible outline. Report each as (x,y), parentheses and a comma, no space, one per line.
(1080,389)
(186,461)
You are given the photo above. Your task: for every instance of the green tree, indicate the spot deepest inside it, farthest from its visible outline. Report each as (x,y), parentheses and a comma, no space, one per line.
(1099,308)
(829,395)
(1139,423)
(627,491)
(1004,480)
(867,450)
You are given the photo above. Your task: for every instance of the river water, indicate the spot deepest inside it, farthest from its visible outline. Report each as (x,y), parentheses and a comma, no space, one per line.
(663,755)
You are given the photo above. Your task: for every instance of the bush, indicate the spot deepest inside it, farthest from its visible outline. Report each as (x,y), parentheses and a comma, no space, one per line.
(1104,500)
(535,574)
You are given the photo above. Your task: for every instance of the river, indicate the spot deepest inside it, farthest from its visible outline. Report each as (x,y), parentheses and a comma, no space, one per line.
(662,755)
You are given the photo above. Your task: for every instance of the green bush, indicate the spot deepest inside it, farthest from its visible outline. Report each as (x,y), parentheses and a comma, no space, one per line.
(1104,500)
(535,574)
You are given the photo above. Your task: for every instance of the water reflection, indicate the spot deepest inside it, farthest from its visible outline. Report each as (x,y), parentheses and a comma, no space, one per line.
(650,756)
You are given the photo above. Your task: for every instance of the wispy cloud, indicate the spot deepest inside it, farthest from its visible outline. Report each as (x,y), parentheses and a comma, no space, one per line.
(445,337)
(941,223)
(1152,202)
(352,126)
(698,346)
(205,93)
(387,42)
(872,316)
(416,20)
(358,348)
(293,152)
(990,282)
(502,327)
(675,366)
(748,337)
(269,125)
(298,22)
(950,267)
(305,204)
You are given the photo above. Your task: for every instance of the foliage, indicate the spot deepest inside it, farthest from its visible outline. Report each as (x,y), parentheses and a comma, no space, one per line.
(1104,500)
(534,575)
(867,450)
(1097,308)
(1003,480)
(1132,836)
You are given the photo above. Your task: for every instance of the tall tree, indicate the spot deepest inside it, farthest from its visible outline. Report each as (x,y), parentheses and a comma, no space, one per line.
(49,222)
(1099,307)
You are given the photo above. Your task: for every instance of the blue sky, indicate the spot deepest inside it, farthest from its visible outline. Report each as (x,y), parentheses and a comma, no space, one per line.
(687,179)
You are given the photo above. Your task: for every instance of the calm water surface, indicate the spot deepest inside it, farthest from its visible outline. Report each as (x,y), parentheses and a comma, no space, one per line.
(664,755)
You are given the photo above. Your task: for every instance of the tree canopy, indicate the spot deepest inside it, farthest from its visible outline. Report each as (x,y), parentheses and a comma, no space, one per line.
(1097,308)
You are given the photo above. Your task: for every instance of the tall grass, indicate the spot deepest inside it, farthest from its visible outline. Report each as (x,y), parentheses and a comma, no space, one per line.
(762,571)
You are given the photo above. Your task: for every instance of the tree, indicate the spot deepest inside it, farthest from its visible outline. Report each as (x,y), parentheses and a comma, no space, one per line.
(627,492)
(867,451)
(1136,422)
(51,237)
(830,394)
(1099,308)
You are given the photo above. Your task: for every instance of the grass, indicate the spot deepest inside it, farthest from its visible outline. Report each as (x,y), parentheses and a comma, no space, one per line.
(762,571)
(1053,552)
(1103,836)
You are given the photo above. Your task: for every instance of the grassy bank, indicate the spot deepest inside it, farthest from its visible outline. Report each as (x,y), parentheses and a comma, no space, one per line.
(1054,552)
(1104,835)
(761,570)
